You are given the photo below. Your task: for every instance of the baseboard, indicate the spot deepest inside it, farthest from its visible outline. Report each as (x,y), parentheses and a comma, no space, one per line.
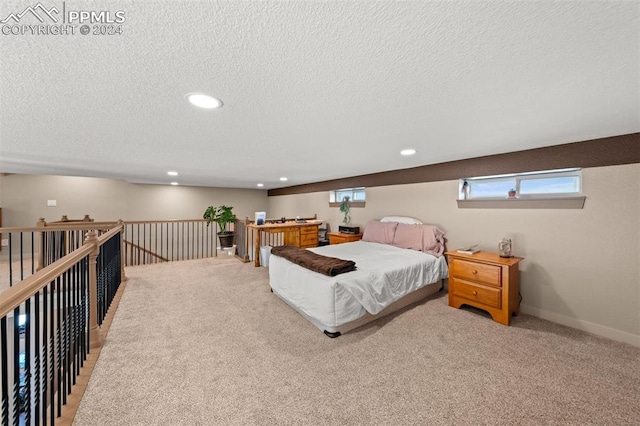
(597,329)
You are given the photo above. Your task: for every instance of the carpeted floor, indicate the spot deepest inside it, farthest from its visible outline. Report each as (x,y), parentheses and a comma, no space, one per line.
(205,342)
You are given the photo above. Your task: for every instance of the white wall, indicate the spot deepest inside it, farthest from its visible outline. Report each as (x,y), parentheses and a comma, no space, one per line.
(581,267)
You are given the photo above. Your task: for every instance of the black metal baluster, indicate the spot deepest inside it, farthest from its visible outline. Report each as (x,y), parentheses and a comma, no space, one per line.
(45,353)
(144,242)
(78,316)
(26,407)
(33,260)
(103,284)
(138,237)
(66,382)
(21,259)
(52,353)
(76,322)
(84,338)
(10,262)
(69,319)
(98,289)
(58,364)
(16,366)
(36,359)
(102,272)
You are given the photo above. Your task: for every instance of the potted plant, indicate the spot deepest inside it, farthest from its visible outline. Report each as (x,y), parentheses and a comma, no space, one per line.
(222,215)
(345,206)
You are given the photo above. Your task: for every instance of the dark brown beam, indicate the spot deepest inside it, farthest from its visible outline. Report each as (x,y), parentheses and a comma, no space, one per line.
(611,151)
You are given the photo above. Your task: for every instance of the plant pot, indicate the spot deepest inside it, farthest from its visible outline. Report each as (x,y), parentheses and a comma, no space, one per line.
(226,239)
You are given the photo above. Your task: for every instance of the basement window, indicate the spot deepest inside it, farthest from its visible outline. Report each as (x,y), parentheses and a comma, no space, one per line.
(544,189)
(357,197)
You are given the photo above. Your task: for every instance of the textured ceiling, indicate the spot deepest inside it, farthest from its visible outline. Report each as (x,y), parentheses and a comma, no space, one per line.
(312,90)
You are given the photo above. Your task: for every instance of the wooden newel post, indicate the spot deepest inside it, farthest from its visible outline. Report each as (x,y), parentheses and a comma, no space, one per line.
(94,333)
(247,258)
(41,242)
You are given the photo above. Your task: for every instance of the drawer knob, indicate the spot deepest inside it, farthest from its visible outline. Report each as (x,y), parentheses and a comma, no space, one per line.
(474,272)
(475,293)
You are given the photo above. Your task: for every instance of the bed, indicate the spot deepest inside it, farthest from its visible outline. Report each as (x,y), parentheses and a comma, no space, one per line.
(397,264)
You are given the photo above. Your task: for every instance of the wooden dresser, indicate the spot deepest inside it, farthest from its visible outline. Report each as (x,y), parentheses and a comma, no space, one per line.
(486,281)
(339,238)
(308,236)
(299,234)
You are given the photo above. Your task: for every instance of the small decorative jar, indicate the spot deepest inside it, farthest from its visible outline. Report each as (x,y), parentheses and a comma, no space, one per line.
(504,247)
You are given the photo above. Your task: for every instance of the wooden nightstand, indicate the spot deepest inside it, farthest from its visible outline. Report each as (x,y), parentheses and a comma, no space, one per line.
(486,281)
(339,238)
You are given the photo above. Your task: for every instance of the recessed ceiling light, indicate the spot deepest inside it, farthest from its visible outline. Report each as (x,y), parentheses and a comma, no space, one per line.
(260,185)
(172,173)
(283,179)
(174,183)
(204,101)
(407,152)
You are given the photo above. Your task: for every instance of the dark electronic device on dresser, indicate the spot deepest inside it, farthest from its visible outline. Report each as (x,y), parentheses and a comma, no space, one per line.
(349,229)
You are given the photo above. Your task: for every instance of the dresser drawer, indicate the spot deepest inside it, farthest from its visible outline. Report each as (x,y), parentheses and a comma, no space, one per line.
(478,293)
(309,239)
(478,272)
(308,230)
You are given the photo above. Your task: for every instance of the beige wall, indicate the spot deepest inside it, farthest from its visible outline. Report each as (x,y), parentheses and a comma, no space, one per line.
(23,199)
(581,267)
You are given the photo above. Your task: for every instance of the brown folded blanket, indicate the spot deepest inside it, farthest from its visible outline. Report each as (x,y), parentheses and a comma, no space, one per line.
(326,265)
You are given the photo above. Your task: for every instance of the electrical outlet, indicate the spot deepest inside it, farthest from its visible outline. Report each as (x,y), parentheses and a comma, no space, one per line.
(5,242)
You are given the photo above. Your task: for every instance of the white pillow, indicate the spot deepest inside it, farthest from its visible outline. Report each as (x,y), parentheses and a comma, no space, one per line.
(401,219)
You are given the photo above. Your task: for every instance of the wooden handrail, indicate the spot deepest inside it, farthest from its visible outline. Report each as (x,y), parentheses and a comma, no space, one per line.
(78,225)
(31,285)
(67,226)
(135,222)
(14,296)
(62,227)
(144,250)
(107,236)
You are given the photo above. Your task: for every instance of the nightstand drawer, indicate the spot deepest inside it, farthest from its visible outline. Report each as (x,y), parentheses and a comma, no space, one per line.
(340,238)
(478,272)
(477,293)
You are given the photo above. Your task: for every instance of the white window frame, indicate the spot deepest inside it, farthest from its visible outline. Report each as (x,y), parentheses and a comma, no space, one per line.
(518,178)
(360,192)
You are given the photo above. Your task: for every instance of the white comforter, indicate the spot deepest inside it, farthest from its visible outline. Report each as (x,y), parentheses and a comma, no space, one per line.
(384,274)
